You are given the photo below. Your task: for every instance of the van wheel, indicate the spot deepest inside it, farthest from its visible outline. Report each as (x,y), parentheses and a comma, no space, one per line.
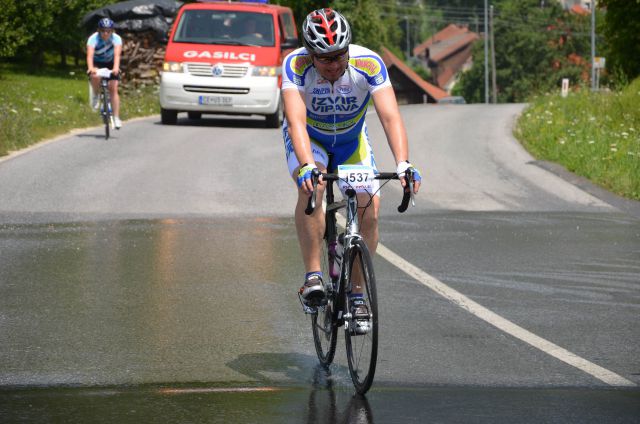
(194,115)
(275,119)
(168,117)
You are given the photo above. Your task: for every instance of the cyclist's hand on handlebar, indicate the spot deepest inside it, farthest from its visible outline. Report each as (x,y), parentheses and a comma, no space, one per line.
(405,166)
(305,181)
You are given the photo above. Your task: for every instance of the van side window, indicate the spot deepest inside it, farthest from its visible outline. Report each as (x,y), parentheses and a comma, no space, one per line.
(288,27)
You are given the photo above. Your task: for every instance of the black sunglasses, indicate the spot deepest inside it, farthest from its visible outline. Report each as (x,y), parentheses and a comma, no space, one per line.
(340,57)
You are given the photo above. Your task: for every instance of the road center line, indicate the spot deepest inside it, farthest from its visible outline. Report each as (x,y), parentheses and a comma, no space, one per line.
(503,324)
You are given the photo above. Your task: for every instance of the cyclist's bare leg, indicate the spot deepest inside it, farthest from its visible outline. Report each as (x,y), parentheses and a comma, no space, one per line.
(95,84)
(310,228)
(115,97)
(368,219)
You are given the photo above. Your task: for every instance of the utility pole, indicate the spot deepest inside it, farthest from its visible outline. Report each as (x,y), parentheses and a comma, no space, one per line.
(593,45)
(493,59)
(486,53)
(407,28)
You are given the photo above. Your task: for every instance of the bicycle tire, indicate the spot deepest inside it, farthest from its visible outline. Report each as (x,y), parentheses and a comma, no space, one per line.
(324,322)
(362,349)
(106,112)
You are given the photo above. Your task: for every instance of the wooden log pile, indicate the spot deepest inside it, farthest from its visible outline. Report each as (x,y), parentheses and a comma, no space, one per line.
(142,56)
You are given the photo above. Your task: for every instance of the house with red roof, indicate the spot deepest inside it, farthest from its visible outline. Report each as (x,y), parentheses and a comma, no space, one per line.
(446,54)
(408,85)
(581,7)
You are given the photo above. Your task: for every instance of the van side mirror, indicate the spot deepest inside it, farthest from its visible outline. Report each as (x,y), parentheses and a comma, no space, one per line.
(289,43)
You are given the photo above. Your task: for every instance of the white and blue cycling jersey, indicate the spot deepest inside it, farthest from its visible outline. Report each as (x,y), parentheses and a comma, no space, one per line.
(335,111)
(104,50)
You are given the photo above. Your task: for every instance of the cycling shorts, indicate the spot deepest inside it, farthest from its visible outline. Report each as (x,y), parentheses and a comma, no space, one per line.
(356,152)
(108,65)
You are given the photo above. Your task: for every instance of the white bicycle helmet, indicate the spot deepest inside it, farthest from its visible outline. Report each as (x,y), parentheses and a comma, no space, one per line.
(325,31)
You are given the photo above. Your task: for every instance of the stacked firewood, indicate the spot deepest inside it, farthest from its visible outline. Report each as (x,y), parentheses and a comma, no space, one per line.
(142,56)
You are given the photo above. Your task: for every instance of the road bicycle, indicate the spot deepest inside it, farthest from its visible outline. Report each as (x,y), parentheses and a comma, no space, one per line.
(344,256)
(105,100)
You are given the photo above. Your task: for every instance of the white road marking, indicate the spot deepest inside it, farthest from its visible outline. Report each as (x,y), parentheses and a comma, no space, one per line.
(503,324)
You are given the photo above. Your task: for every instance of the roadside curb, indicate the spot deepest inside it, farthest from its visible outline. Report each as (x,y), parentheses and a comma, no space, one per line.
(628,206)
(39,144)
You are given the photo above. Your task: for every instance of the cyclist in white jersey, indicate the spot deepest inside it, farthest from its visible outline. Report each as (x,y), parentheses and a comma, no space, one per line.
(326,87)
(104,49)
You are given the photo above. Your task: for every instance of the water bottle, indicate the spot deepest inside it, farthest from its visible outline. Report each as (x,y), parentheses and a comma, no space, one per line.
(335,258)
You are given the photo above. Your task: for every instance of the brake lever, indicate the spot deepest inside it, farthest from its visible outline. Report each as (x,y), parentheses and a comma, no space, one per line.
(408,192)
(409,179)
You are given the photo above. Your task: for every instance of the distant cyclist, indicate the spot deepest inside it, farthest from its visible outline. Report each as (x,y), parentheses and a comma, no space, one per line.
(104,49)
(327,85)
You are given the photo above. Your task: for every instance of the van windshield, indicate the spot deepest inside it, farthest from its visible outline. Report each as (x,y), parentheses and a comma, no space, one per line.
(225,27)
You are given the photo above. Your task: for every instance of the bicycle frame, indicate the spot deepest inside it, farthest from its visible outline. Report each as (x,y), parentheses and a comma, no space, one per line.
(352,228)
(106,110)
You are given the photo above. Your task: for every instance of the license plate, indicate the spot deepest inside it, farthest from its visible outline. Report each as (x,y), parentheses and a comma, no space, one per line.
(215,100)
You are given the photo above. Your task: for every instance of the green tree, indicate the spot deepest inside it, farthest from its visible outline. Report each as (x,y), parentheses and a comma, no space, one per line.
(29,22)
(622,32)
(368,26)
(12,34)
(535,48)
(301,8)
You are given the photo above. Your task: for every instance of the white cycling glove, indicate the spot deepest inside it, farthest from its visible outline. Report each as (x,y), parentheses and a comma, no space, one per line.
(402,168)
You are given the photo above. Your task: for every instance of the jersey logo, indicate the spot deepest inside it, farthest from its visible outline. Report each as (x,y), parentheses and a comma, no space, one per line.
(299,64)
(296,68)
(371,67)
(344,89)
(367,64)
(334,104)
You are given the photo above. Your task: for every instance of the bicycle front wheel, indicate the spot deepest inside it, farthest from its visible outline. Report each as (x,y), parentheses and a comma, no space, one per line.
(106,112)
(324,321)
(361,330)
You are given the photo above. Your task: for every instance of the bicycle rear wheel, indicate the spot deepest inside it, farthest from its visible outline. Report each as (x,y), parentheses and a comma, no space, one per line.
(361,338)
(324,321)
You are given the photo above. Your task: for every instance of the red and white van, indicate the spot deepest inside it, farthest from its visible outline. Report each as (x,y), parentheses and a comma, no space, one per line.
(226,57)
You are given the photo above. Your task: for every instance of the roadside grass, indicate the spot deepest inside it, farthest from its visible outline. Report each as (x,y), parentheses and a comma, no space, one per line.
(36,107)
(595,135)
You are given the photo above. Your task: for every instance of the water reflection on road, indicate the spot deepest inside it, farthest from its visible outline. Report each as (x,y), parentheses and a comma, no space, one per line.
(322,403)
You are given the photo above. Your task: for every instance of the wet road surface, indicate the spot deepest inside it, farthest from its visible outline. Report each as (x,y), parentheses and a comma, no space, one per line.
(122,306)
(103,304)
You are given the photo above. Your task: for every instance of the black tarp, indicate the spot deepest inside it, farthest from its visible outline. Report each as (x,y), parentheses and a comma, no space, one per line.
(136,16)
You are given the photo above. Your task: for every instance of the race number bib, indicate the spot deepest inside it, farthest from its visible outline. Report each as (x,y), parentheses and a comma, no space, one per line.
(358,177)
(104,73)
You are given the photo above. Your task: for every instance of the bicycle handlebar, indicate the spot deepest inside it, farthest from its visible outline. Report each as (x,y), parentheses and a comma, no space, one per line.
(104,73)
(404,204)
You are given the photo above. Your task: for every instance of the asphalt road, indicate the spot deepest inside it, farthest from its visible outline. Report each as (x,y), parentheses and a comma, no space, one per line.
(152,277)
